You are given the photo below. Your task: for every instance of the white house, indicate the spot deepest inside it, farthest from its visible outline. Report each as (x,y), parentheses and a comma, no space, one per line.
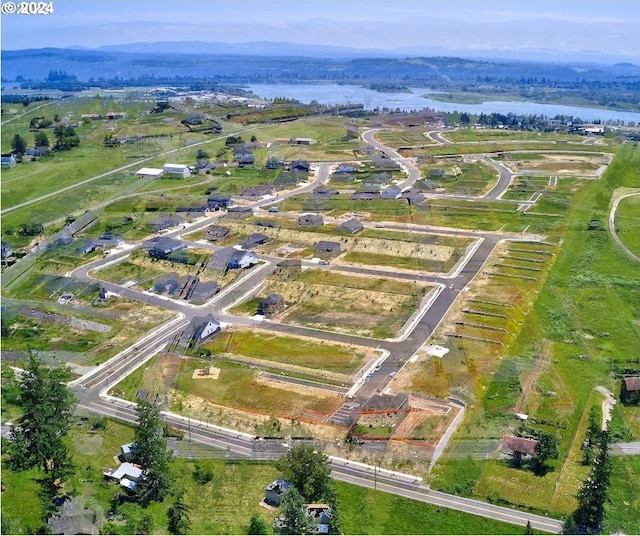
(150,173)
(127,474)
(180,171)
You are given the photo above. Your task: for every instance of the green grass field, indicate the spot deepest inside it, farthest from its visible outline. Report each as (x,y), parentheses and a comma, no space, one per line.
(627,222)
(584,347)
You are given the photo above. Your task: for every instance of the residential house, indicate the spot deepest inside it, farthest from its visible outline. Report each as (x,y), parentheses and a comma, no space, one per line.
(242,259)
(310,220)
(324,192)
(216,232)
(166,222)
(203,291)
(163,247)
(255,240)
(377,179)
(127,452)
(149,173)
(301,141)
(365,195)
(351,226)
(274,163)
(128,474)
(630,391)
(116,115)
(244,159)
(412,196)
(320,515)
(271,306)
(286,179)
(519,447)
(391,192)
(89,246)
(326,248)
(8,161)
(267,224)
(257,191)
(218,201)
(193,209)
(178,171)
(231,259)
(91,117)
(300,165)
(425,184)
(167,283)
(37,152)
(346,168)
(343,178)
(386,164)
(200,329)
(239,212)
(5,250)
(275,491)
(75,518)
(288,269)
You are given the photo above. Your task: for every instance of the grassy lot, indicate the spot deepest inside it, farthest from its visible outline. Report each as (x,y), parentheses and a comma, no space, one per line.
(238,387)
(575,347)
(288,350)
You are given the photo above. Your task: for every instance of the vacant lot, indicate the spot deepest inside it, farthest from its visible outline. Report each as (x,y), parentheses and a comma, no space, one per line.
(277,350)
(373,307)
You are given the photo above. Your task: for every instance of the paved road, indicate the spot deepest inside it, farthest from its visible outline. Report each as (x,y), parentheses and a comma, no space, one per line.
(612,226)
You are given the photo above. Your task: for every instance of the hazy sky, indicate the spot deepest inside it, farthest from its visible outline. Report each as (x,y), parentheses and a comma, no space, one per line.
(608,26)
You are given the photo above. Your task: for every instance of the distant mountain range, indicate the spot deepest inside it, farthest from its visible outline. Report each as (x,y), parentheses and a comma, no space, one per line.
(245,63)
(271,48)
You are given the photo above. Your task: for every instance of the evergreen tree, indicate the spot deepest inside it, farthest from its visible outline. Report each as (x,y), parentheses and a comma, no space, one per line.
(40,139)
(592,437)
(151,453)
(294,517)
(18,145)
(307,469)
(546,449)
(257,525)
(37,436)
(589,515)
(178,514)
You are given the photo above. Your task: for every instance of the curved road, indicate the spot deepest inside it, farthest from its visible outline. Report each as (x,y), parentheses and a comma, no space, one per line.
(612,226)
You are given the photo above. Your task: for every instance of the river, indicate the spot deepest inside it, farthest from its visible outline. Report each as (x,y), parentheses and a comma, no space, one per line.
(416,100)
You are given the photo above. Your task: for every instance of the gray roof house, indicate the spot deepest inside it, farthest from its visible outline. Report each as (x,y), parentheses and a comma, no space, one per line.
(288,269)
(351,226)
(324,192)
(391,192)
(310,220)
(231,258)
(327,248)
(128,474)
(239,212)
(75,518)
(216,232)
(200,329)
(204,291)
(5,250)
(168,283)
(274,492)
(254,240)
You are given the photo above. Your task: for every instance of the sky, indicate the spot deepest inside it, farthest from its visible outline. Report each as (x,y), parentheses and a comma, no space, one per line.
(611,27)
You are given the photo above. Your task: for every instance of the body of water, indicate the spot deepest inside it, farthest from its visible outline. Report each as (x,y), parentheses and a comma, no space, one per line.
(416,99)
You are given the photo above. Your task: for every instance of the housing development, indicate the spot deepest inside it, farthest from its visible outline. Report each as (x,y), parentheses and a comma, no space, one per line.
(223,313)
